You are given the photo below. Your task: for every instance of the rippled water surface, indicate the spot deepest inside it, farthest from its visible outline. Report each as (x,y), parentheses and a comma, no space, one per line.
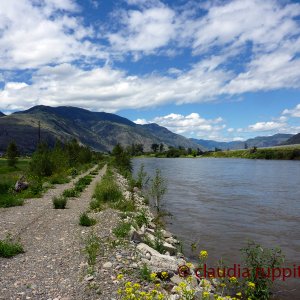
(220,203)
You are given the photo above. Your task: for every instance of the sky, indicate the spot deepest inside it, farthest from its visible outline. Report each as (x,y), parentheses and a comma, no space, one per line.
(221,70)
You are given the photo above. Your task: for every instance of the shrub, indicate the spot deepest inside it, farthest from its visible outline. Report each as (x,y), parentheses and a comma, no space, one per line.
(158,188)
(145,273)
(69,193)
(12,153)
(59,179)
(9,200)
(59,202)
(85,220)
(124,205)
(82,183)
(122,230)
(258,258)
(92,248)
(141,219)
(9,249)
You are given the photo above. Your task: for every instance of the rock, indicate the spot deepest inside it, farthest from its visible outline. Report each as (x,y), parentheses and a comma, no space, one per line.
(163,263)
(148,255)
(89,278)
(172,241)
(151,225)
(174,297)
(47,185)
(170,248)
(198,295)
(144,249)
(136,189)
(21,185)
(107,265)
(176,279)
(134,265)
(166,234)
(150,230)
(136,236)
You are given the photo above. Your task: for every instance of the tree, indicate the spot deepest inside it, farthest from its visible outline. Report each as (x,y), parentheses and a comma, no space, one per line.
(161,147)
(12,153)
(122,160)
(246,146)
(158,188)
(154,147)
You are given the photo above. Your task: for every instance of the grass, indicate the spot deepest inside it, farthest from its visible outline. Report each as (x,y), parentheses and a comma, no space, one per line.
(279,153)
(141,218)
(69,193)
(8,248)
(108,193)
(145,273)
(92,248)
(122,230)
(82,183)
(59,202)
(85,220)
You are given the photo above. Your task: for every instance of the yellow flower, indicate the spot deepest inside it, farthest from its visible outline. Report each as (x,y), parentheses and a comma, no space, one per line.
(203,254)
(205,294)
(239,294)
(128,284)
(157,285)
(222,285)
(119,291)
(190,265)
(136,286)
(251,285)
(164,275)
(153,276)
(182,284)
(160,297)
(233,279)
(120,276)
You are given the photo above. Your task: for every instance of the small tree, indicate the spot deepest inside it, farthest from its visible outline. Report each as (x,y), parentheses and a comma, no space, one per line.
(161,147)
(158,188)
(12,153)
(154,147)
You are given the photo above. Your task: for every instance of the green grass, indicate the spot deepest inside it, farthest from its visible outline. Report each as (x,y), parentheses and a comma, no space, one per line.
(85,220)
(8,248)
(145,273)
(70,193)
(92,248)
(59,202)
(278,153)
(122,229)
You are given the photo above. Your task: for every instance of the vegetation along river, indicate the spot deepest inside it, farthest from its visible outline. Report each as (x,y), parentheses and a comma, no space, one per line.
(221,203)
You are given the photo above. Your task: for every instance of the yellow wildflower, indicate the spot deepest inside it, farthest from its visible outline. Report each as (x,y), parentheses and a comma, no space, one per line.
(251,285)
(203,254)
(164,275)
(233,279)
(153,276)
(120,276)
(239,294)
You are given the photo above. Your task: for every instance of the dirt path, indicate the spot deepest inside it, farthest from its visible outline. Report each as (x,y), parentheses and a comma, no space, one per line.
(50,268)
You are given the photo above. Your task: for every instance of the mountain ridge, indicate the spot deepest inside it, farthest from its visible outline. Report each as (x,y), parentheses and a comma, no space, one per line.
(98,130)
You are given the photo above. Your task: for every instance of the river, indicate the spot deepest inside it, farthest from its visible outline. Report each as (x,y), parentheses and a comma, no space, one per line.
(219,204)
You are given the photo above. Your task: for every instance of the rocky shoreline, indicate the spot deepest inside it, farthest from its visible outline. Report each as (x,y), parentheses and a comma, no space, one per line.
(165,265)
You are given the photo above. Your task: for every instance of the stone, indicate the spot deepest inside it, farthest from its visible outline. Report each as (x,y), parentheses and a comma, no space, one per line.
(148,255)
(166,234)
(136,236)
(176,279)
(21,185)
(107,265)
(89,278)
(170,248)
(144,249)
(151,225)
(174,297)
(172,241)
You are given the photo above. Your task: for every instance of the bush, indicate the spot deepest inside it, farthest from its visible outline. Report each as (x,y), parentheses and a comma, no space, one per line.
(82,183)
(59,179)
(9,200)
(122,230)
(69,193)
(92,248)
(59,202)
(145,273)
(259,260)
(9,249)
(85,220)
(141,219)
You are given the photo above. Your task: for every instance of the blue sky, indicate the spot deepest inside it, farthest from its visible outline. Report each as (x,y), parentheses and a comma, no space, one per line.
(223,70)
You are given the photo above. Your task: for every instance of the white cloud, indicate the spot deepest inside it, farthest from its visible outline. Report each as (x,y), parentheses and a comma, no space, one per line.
(191,125)
(144,30)
(265,126)
(141,121)
(38,33)
(295,112)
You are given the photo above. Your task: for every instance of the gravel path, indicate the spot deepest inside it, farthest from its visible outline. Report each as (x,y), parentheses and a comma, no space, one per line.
(51,266)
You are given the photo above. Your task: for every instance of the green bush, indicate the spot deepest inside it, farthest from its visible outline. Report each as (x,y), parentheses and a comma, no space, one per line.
(122,230)
(59,202)
(70,193)
(92,248)
(59,179)
(82,183)
(145,273)
(141,219)
(9,200)
(85,220)
(8,248)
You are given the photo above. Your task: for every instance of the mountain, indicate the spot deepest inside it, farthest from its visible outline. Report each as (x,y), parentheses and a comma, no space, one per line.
(259,141)
(99,130)
(2,114)
(295,139)
(169,137)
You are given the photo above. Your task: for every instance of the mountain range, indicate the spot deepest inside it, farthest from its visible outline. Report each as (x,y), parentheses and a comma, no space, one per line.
(102,131)
(99,130)
(295,139)
(259,141)
(2,114)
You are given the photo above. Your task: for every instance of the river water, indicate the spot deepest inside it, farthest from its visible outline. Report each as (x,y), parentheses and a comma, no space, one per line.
(219,204)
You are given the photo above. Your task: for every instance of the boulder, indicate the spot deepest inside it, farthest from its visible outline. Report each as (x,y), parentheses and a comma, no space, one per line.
(21,185)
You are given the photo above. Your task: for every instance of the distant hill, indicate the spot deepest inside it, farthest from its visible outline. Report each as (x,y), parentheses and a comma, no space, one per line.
(260,141)
(293,140)
(99,130)
(2,114)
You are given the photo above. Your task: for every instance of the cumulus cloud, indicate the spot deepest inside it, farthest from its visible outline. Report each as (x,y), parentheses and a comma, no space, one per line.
(141,121)
(36,33)
(189,125)
(295,112)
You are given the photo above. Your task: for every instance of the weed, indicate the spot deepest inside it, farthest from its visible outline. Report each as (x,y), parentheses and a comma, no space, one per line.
(122,230)
(59,202)
(92,248)
(85,220)
(145,273)
(8,248)
(141,218)
(69,193)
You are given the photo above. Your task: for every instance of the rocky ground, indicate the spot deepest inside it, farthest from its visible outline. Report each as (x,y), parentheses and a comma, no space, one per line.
(55,265)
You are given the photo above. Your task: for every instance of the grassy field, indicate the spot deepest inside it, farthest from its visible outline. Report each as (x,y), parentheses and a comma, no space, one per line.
(8,178)
(282,152)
